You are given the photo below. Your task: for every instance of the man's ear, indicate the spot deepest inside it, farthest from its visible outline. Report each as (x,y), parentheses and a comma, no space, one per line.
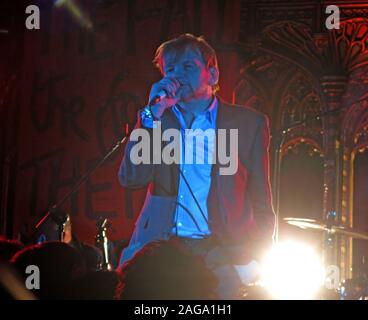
(214,75)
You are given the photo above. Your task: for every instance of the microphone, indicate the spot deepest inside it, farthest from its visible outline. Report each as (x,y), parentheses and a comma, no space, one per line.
(162,94)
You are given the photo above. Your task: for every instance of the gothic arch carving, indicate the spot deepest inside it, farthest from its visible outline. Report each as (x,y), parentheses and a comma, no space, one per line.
(337,51)
(292,144)
(355,125)
(300,106)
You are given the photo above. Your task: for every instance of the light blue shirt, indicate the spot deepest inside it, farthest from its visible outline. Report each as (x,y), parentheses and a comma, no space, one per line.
(196,166)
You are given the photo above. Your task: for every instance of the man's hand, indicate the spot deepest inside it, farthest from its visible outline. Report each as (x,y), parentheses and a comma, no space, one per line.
(171,86)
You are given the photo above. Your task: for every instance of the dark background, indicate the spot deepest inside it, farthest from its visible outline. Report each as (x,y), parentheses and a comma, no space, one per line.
(67,92)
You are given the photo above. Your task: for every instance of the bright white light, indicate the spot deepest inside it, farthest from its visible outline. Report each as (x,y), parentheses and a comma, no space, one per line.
(292,270)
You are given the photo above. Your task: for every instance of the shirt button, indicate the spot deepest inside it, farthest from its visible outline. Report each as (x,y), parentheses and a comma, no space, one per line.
(179,224)
(181,196)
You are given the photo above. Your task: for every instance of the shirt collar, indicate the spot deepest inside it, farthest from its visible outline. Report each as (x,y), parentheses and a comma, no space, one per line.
(210,112)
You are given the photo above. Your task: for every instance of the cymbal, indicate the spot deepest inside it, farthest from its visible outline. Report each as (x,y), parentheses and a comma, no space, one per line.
(322,226)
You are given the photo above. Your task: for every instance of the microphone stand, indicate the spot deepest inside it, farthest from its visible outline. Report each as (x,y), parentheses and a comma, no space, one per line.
(52,211)
(102,243)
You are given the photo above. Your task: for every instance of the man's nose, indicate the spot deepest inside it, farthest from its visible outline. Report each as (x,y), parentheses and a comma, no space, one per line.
(178,74)
(178,71)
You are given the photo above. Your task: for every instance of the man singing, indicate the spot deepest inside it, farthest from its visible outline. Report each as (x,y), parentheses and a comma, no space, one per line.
(226,218)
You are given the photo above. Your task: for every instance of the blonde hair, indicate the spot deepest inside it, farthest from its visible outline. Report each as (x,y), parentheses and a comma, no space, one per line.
(180,44)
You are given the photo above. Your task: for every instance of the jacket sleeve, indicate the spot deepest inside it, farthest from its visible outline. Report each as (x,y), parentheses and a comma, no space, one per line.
(131,174)
(260,189)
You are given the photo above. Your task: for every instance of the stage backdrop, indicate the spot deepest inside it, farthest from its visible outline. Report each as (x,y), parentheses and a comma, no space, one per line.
(81,86)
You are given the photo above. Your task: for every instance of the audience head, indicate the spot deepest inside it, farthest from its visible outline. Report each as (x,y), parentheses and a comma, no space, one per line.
(166,270)
(58,263)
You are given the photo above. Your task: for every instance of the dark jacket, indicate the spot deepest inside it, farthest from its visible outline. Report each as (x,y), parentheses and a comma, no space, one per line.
(239,206)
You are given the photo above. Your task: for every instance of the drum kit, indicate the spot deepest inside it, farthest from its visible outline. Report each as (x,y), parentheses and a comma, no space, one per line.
(323,226)
(350,289)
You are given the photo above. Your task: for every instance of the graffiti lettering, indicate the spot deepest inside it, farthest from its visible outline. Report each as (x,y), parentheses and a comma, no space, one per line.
(69,111)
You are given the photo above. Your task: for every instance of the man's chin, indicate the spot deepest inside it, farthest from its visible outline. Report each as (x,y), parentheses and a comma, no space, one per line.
(185,94)
(186,98)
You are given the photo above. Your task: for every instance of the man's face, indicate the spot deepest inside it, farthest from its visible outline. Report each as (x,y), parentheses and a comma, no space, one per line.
(190,70)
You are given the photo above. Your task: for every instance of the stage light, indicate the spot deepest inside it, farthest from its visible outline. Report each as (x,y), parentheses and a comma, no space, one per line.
(76,12)
(292,271)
